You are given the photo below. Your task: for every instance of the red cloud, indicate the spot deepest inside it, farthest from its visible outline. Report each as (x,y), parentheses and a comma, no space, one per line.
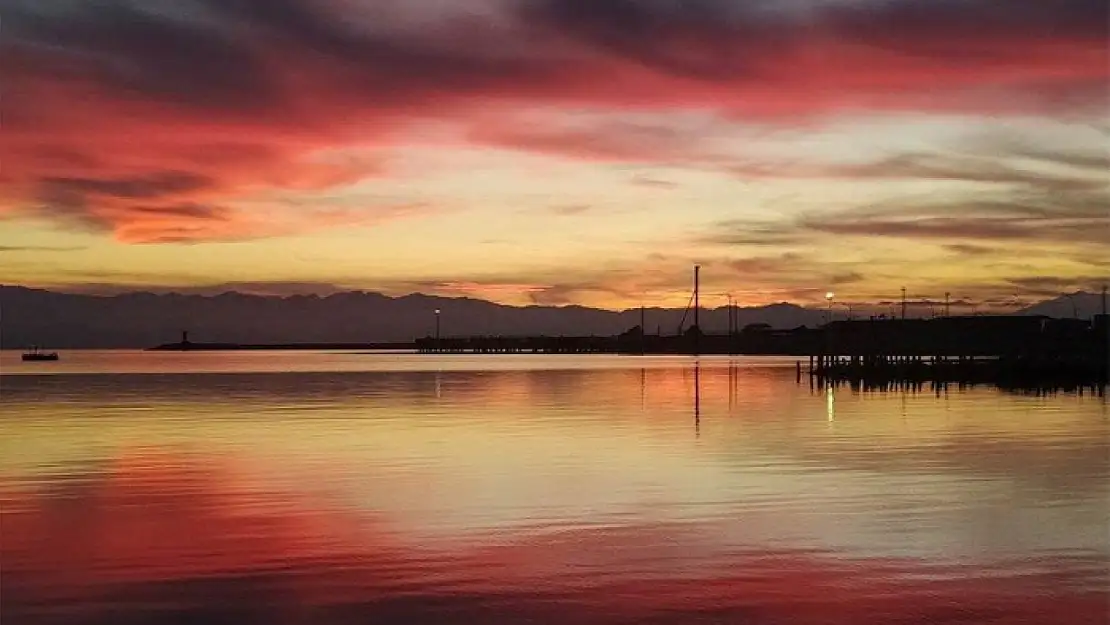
(252,97)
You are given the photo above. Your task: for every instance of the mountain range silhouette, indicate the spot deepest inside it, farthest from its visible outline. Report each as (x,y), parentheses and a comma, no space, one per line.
(66,320)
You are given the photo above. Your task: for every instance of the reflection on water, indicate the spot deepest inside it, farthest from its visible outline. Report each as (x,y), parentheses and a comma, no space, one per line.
(540,490)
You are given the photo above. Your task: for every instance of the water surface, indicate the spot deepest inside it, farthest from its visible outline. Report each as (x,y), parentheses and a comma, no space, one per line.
(317,487)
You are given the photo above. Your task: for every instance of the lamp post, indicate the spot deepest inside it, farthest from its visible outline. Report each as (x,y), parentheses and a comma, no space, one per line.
(437,325)
(829,299)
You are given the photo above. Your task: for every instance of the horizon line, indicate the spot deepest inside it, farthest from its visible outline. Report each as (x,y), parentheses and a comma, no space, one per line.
(962,303)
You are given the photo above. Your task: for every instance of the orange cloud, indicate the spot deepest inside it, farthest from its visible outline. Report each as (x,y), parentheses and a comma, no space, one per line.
(219,102)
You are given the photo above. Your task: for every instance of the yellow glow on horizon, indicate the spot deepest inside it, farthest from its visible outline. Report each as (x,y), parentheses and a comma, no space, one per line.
(499,231)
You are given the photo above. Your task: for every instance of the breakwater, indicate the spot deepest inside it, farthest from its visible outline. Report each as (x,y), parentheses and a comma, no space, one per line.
(188,346)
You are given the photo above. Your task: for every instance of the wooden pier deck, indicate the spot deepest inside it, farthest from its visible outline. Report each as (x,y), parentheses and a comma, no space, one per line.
(1014,351)
(786,342)
(1024,372)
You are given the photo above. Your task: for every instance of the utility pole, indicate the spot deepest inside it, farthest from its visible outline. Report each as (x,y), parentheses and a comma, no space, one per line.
(947,304)
(903,303)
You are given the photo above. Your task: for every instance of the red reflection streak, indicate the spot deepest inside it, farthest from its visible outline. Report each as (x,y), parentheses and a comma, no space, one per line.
(178,518)
(147,530)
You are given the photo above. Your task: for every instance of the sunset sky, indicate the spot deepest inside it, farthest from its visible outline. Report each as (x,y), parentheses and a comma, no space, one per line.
(558,151)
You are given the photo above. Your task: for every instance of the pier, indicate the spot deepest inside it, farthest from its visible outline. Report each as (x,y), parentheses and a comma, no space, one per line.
(518,345)
(187,346)
(1016,351)
(770,342)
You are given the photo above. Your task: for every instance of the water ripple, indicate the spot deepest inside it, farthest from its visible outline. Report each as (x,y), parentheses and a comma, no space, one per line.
(310,488)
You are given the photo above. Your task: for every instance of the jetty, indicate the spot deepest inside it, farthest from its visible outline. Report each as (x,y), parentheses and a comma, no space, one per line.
(185,345)
(218,347)
(798,342)
(1016,351)
(1020,351)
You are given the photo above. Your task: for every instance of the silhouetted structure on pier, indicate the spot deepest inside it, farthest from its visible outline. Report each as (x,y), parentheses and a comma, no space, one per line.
(1022,351)
(1017,350)
(520,345)
(765,341)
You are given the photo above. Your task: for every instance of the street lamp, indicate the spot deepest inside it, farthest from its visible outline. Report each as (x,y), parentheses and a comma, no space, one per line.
(829,299)
(437,324)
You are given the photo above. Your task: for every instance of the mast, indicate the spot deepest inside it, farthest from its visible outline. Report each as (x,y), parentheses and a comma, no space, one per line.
(697,294)
(730,314)
(731,326)
(697,307)
(643,329)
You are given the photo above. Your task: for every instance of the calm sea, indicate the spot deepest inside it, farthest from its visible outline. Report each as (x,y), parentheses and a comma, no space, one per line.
(341,488)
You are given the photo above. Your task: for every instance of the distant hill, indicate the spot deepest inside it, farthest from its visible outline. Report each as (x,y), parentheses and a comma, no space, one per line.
(64,320)
(1081,305)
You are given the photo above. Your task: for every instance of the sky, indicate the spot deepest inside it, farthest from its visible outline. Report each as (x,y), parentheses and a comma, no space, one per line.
(559,151)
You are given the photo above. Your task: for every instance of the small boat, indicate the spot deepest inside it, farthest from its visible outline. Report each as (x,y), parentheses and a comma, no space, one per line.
(35,355)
